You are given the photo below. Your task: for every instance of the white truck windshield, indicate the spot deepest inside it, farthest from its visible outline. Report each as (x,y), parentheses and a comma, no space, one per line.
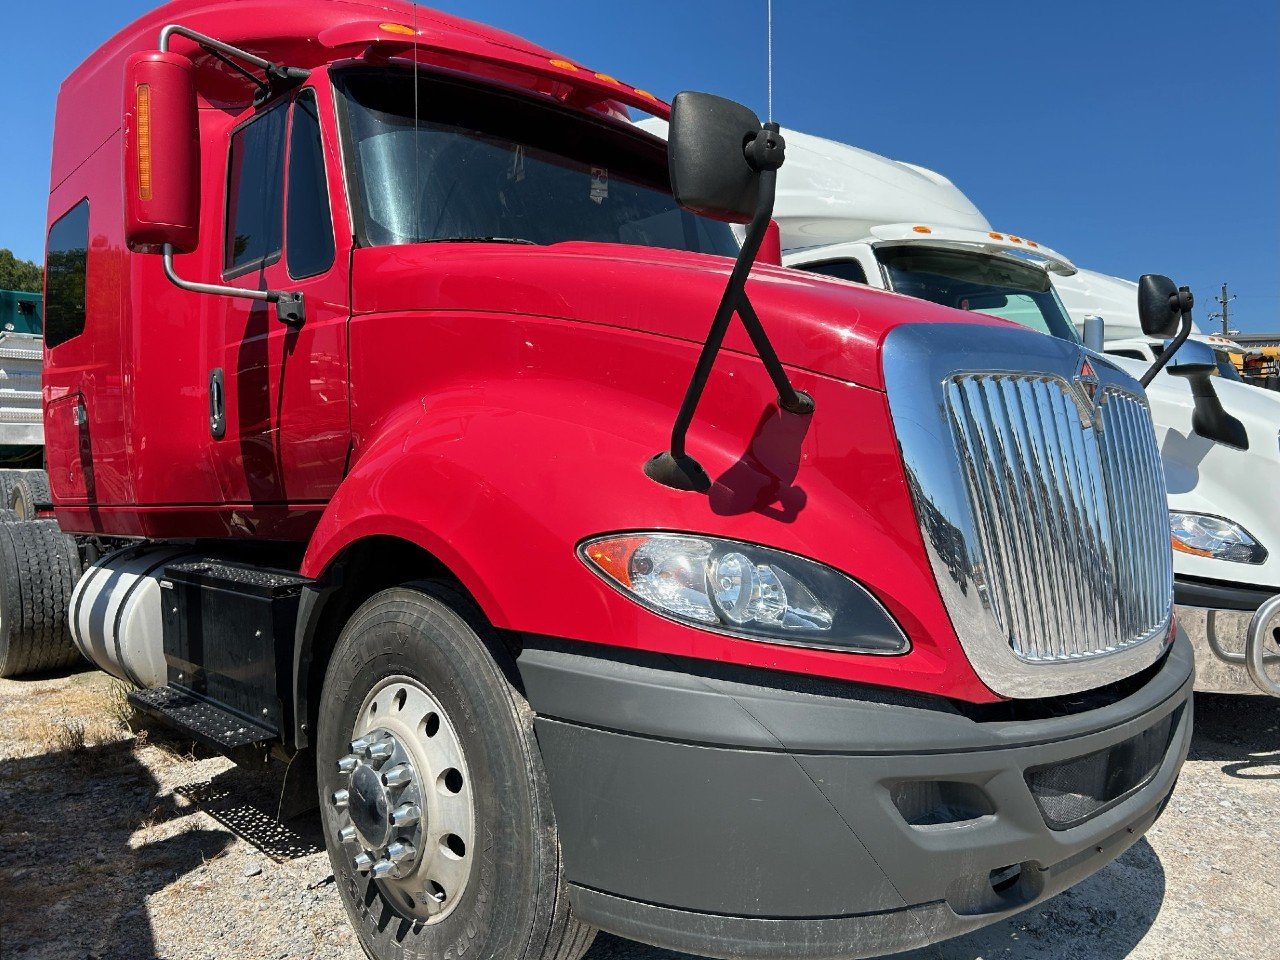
(482,163)
(976,281)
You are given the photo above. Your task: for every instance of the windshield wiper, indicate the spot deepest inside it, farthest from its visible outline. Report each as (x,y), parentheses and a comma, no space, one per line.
(520,240)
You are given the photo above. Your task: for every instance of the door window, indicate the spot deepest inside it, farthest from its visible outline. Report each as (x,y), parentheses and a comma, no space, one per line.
(67,275)
(850,270)
(310,243)
(255,193)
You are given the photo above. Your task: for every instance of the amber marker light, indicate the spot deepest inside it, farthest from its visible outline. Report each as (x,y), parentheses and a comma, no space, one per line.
(399,29)
(922,230)
(613,556)
(564,65)
(1180,547)
(144,141)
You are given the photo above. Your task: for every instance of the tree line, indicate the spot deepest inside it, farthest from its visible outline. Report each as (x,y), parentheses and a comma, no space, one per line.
(23,275)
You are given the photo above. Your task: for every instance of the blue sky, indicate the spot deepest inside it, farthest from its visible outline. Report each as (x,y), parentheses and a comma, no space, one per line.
(1134,136)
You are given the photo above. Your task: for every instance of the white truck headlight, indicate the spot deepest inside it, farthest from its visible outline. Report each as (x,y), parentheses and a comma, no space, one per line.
(745,590)
(1202,535)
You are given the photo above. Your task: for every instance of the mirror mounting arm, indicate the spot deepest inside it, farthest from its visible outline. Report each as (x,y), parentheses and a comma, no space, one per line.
(276,73)
(291,308)
(1181,302)
(674,467)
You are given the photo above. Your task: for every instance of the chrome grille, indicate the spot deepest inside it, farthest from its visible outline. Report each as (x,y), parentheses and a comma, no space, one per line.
(1069,513)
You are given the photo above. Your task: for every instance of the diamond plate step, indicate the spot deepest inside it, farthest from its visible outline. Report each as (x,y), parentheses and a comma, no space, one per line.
(203,721)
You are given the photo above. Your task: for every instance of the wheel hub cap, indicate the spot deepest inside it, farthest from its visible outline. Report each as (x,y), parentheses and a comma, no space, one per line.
(404,813)
(370,806)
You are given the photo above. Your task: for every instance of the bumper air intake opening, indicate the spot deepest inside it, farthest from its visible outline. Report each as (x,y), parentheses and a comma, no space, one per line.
(1073,791)
(940,803)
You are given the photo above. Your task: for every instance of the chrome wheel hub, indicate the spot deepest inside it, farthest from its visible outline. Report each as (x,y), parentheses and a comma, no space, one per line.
(404,810)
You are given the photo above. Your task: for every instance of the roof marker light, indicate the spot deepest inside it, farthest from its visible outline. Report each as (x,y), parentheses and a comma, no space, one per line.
(608,79)
(996,236)
(399,29)
(922,230)
(645,93)
(1033,244)
(564,65)
(1013,239)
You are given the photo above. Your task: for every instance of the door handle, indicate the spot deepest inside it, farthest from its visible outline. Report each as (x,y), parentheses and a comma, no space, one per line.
(217,405)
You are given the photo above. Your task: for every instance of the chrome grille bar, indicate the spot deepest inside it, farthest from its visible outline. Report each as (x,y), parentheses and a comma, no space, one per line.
(1069,513)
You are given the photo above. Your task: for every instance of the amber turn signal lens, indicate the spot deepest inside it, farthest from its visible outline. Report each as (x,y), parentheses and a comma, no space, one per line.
(144,141)
(614,556)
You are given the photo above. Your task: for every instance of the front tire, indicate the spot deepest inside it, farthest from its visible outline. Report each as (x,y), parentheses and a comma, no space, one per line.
(444,745)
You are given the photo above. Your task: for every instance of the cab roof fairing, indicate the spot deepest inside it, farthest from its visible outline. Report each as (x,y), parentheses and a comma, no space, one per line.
(313,34)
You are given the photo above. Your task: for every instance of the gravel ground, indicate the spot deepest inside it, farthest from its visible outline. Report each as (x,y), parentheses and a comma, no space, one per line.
(117,845)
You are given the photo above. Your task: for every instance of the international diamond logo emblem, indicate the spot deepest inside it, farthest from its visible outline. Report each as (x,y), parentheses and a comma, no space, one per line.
(1085,386)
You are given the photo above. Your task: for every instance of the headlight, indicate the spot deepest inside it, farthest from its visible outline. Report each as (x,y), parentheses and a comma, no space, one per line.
(1204,536)
(745,590)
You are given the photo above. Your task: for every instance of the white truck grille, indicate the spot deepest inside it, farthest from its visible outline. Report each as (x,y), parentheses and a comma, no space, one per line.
(1069,512)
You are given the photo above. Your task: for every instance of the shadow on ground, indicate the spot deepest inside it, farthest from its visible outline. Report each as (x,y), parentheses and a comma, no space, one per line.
(87,835)
(74,876)
(1240,734)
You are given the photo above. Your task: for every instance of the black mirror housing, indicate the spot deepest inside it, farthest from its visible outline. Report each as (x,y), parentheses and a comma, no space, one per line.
(710,172)
(1158,306)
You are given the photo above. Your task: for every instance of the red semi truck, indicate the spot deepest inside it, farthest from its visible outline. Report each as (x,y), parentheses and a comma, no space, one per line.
(369,324)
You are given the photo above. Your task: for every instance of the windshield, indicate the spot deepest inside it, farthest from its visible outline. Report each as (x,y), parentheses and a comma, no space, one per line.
(481,163)
(977,281)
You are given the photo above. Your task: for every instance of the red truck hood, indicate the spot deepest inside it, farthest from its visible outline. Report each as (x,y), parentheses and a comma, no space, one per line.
(818,324)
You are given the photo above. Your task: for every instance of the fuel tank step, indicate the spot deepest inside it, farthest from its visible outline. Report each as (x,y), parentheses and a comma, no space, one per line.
(205,722)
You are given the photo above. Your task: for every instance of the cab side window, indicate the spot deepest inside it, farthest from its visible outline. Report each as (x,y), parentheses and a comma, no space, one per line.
(310,222)
(840,269)
(255,193)
(67,276)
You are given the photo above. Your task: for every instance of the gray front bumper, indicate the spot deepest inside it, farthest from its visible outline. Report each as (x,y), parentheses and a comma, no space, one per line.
(733,813)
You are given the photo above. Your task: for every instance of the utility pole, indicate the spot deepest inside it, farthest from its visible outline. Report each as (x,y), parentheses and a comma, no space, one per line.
(1224,301)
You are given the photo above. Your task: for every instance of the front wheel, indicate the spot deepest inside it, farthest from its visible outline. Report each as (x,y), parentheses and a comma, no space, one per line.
(436,810)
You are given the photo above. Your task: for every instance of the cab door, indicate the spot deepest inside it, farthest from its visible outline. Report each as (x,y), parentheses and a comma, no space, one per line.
(278,392)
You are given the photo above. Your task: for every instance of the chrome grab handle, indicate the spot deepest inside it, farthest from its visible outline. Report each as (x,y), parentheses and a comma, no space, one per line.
(1255,644)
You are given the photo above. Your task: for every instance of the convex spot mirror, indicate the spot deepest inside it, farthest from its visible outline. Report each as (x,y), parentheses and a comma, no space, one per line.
(1193,359)
(162,153)
(710,173)
(1159,307)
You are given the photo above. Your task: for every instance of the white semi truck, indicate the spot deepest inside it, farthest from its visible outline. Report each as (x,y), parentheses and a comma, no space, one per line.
(864,218)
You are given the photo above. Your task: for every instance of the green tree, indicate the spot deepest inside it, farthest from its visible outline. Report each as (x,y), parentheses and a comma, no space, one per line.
(18,274)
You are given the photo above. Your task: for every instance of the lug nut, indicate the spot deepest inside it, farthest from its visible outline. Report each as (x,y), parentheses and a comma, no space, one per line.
(381,750)
(347,764)
(363,862)
(347,834)
(383,868)
(400,851)
(405,815)
(341,798)
(398,776)
(361,745)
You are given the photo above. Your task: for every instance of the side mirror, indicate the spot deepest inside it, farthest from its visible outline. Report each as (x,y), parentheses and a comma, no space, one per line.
(1158,307)
(162,153)
(1197,362)
(708,148)
(1164,309)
